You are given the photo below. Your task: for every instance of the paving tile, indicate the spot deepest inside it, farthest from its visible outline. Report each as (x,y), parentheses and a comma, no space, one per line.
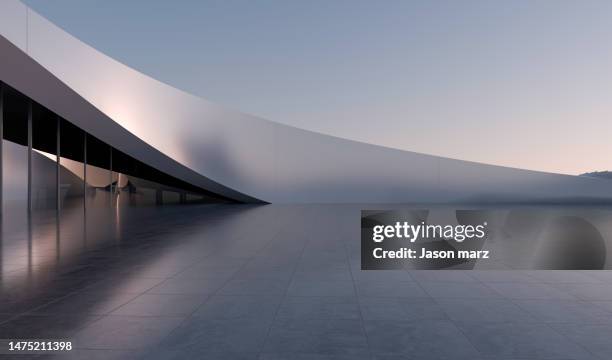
(239,307)
(254,287)
(442,275)
(86,302)
(400,309)
(565,311)
(435,339)
(503,276)
(408,289)
(312,307)
(161,305)
(186,286)
(195,353)
(44,326)
(282,274)
(200,335)
(525,340)
(564,276)
(484,310)
(343,274)
(593,337)
(317,336)
(361,355)
(126,285)
(530,291)
(125,332)
(587,291)
(321,288)
(464,290)
(94,354)
(605,305)
(381,275)
(601,275)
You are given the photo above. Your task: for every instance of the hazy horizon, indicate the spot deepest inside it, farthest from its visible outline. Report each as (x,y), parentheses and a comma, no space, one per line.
(521,84)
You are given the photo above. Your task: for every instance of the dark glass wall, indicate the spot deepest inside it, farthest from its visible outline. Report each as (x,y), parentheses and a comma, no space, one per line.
(14,150)
(66,167)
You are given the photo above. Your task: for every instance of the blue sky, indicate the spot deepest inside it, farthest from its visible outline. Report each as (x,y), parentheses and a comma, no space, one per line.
(519,83)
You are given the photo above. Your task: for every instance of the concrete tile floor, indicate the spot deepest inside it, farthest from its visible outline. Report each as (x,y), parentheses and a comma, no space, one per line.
(276,282)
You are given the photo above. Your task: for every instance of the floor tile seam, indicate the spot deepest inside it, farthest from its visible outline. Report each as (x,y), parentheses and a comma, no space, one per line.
(361,317)
(451,321)
(29,312)
(212,255)
(564,336)
(547,325)
(191,315)
(275,317)
(599,306)
(488,285)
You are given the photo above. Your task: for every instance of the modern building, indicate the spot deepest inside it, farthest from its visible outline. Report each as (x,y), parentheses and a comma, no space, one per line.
(81,132)
(76,122)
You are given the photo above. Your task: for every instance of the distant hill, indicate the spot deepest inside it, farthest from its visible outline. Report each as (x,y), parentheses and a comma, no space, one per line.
(599,174)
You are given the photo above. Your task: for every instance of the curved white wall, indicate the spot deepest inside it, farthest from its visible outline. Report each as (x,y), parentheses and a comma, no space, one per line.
(238,155)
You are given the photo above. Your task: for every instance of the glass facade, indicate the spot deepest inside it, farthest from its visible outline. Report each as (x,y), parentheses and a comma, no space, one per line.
(48,164)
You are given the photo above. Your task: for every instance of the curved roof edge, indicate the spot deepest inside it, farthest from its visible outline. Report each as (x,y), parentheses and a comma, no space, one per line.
(237,155)
(22,73)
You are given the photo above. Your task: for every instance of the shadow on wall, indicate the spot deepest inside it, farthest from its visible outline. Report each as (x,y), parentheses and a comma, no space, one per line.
(216,155)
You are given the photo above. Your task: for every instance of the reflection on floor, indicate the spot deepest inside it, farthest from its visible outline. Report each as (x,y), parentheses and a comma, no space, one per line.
(275,282)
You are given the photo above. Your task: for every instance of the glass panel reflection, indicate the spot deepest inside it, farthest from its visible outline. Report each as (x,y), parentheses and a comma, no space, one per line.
(90,174)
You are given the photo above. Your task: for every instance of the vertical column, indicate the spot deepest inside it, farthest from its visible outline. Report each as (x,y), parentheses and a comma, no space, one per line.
(110,174)
(57,165)
(29,155)
(84,170)
(159,198)
(1,145)
(183,197)
(1,166)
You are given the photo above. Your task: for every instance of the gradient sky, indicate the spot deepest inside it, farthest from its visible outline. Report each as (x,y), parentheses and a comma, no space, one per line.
(523,84)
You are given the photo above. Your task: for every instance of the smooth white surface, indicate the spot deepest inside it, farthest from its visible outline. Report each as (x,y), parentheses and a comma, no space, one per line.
(238,155)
